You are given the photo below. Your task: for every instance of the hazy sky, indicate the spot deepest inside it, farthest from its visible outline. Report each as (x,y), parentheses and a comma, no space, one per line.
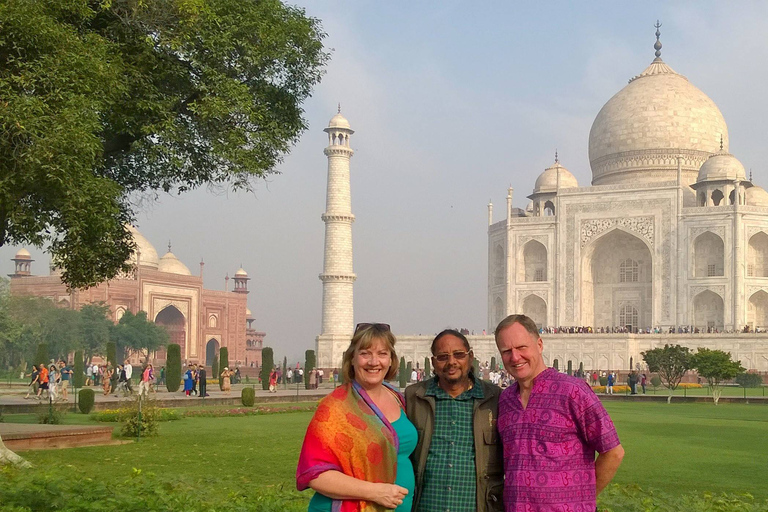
(452,102)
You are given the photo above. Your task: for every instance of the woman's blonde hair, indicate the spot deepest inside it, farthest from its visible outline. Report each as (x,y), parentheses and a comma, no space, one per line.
(363,339)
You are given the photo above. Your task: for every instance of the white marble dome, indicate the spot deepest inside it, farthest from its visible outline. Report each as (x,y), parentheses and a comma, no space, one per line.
(721,166)
(639,133)
(145,248)
(23,254)
(171,264)
(339,121)
(757,196)
(547,181)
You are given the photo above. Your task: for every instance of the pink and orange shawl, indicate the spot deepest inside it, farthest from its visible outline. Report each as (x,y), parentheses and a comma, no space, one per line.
(348,433)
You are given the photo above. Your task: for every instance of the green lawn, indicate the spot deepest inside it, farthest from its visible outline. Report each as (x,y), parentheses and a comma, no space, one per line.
(676,449)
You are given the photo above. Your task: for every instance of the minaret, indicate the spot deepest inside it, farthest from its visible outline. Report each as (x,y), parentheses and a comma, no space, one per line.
(337,276)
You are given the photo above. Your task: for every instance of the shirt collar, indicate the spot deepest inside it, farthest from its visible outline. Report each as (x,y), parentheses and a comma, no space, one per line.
(475,392)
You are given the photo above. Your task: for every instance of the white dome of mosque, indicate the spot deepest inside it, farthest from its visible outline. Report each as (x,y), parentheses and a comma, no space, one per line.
(639,133)
(171,264)
(721,166)
(147,251)
(23,254)
(757,196)
(547,181)
(241,273)
(339,121)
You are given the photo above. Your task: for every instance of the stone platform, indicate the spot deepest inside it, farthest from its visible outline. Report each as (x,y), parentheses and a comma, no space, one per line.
(22,436)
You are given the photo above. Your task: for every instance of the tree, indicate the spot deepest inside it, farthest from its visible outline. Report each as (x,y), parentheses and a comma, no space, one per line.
(427,368)
(138,333)
(94,329)
(749,380)
(106,101)
(78,369)
(493,363)
(402,377)
(409,369)
(42,354)
(224,363)
(112,354)
(215,366)
(309,365)
(267,363)
(716,366)
(285,371)
(671,363)
(173,367)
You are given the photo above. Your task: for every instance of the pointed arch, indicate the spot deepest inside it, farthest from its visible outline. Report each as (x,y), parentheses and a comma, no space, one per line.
(757,255)
(534,262)
(708,255)
(708,310)
(535,308)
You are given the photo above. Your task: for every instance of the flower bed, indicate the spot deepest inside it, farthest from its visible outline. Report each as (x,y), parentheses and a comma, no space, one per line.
(617,390)
(122,414)
(247,411)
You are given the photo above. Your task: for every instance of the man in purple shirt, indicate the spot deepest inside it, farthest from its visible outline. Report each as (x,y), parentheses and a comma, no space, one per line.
(551,426)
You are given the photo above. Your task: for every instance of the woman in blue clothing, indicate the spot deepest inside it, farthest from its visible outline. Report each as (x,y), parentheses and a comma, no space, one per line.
(189,380)
(356,451)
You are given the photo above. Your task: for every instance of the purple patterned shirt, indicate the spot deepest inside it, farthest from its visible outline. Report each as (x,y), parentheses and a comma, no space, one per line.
(549,447)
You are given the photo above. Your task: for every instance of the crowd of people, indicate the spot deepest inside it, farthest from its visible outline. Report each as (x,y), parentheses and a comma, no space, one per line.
(682,329)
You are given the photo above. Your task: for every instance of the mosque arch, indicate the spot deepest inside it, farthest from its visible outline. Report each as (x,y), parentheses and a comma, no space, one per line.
(717,197)
(535,308)
(211,350)
(534,267)
(708,310)
(498,310)
(616,269)
(701,198)
(757,255)
(708,255)
(498,265)
(549,209)
(176,325)
(213,321)
(628,317)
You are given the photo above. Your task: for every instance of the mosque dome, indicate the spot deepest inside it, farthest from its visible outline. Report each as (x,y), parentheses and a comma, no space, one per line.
(757,196)
(23,254)
(641,131)
(721,166)
(171,264)
(148,253)
(339,121)
(248,313)
(241,273)
(547,181)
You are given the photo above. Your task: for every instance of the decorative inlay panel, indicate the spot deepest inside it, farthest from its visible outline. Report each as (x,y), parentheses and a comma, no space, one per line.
(643,226)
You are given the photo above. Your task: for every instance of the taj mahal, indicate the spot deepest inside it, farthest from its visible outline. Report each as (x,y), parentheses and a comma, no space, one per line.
(668,244)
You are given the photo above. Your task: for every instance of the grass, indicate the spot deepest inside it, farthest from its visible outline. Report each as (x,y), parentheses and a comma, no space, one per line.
(676,449)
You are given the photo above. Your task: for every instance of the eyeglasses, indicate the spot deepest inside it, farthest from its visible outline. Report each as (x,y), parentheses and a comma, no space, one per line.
(378,327)
(458,355)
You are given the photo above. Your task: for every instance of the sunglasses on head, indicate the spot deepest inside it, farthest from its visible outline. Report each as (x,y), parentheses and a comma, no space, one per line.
(364,326)
(459,355)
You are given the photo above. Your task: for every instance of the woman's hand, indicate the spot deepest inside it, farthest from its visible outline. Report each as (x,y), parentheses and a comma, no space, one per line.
(389,495)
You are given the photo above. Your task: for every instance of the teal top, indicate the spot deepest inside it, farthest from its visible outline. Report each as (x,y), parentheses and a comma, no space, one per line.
(408,437)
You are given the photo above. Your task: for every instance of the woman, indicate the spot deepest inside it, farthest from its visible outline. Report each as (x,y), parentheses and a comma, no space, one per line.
(355,453)
(106,379)
(273,381)
(189,380)
(33,383)
(226,375)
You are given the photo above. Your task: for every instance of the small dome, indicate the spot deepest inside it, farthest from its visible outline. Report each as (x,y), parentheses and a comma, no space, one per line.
(339,121)
(547,181)
(23,254)
(248,313)
(241,273)
(171,264)
(721,166)
(757,196)
(148,254)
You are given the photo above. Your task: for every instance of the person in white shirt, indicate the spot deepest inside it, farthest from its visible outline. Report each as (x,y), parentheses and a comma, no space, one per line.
(128,372)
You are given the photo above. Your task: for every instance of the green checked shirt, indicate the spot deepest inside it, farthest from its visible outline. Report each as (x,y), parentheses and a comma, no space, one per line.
(449,475)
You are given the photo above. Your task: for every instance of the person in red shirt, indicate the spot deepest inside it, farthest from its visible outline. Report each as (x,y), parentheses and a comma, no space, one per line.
(43,381)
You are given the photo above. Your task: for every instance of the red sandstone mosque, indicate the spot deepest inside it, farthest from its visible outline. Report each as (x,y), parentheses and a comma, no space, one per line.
(200,321)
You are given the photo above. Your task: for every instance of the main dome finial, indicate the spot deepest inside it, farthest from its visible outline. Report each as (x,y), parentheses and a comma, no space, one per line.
(657,45)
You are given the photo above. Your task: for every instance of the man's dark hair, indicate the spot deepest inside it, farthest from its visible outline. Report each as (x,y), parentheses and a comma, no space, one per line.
(450,332)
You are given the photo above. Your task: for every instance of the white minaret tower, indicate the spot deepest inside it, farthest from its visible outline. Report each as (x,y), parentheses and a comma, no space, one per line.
(337,276)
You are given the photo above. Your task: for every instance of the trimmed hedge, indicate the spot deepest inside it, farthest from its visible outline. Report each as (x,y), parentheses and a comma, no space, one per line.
(401,374)
(85,400)
(248,397)
(309,364)
(78,377)
(267,363)
(173,368)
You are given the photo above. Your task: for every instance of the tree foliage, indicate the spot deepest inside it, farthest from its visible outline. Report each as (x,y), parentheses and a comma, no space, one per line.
(173,367)
(716,366)
(309,364)
(104,101)
(136,332)
(749,380)
(267,363)
(402,374)
(94,329)
(78,370)
(671,363)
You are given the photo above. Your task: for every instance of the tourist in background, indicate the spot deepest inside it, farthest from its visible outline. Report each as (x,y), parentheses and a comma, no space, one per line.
(643,382)
(365,412)
(34,383)
(202,383)
(66,377)
(128,369)
(106,379)
(189,380)
(273,381)
(89,375)
(146,380)
(226,383)
(609,383)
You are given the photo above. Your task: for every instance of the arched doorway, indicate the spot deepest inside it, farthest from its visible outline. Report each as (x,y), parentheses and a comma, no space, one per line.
(617,279)
(708,311)
(708,252)
(534,268)
(535,308)
(211,351)
(757,311)
(176,325)
(757,256)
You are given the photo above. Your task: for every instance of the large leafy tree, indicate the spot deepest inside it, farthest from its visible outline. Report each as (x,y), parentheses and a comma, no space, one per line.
(671,363)
(716,366)
(106,101)
(94,329)
(135,332)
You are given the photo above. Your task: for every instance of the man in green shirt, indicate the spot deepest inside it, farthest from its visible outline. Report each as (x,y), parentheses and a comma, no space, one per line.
(458,458)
